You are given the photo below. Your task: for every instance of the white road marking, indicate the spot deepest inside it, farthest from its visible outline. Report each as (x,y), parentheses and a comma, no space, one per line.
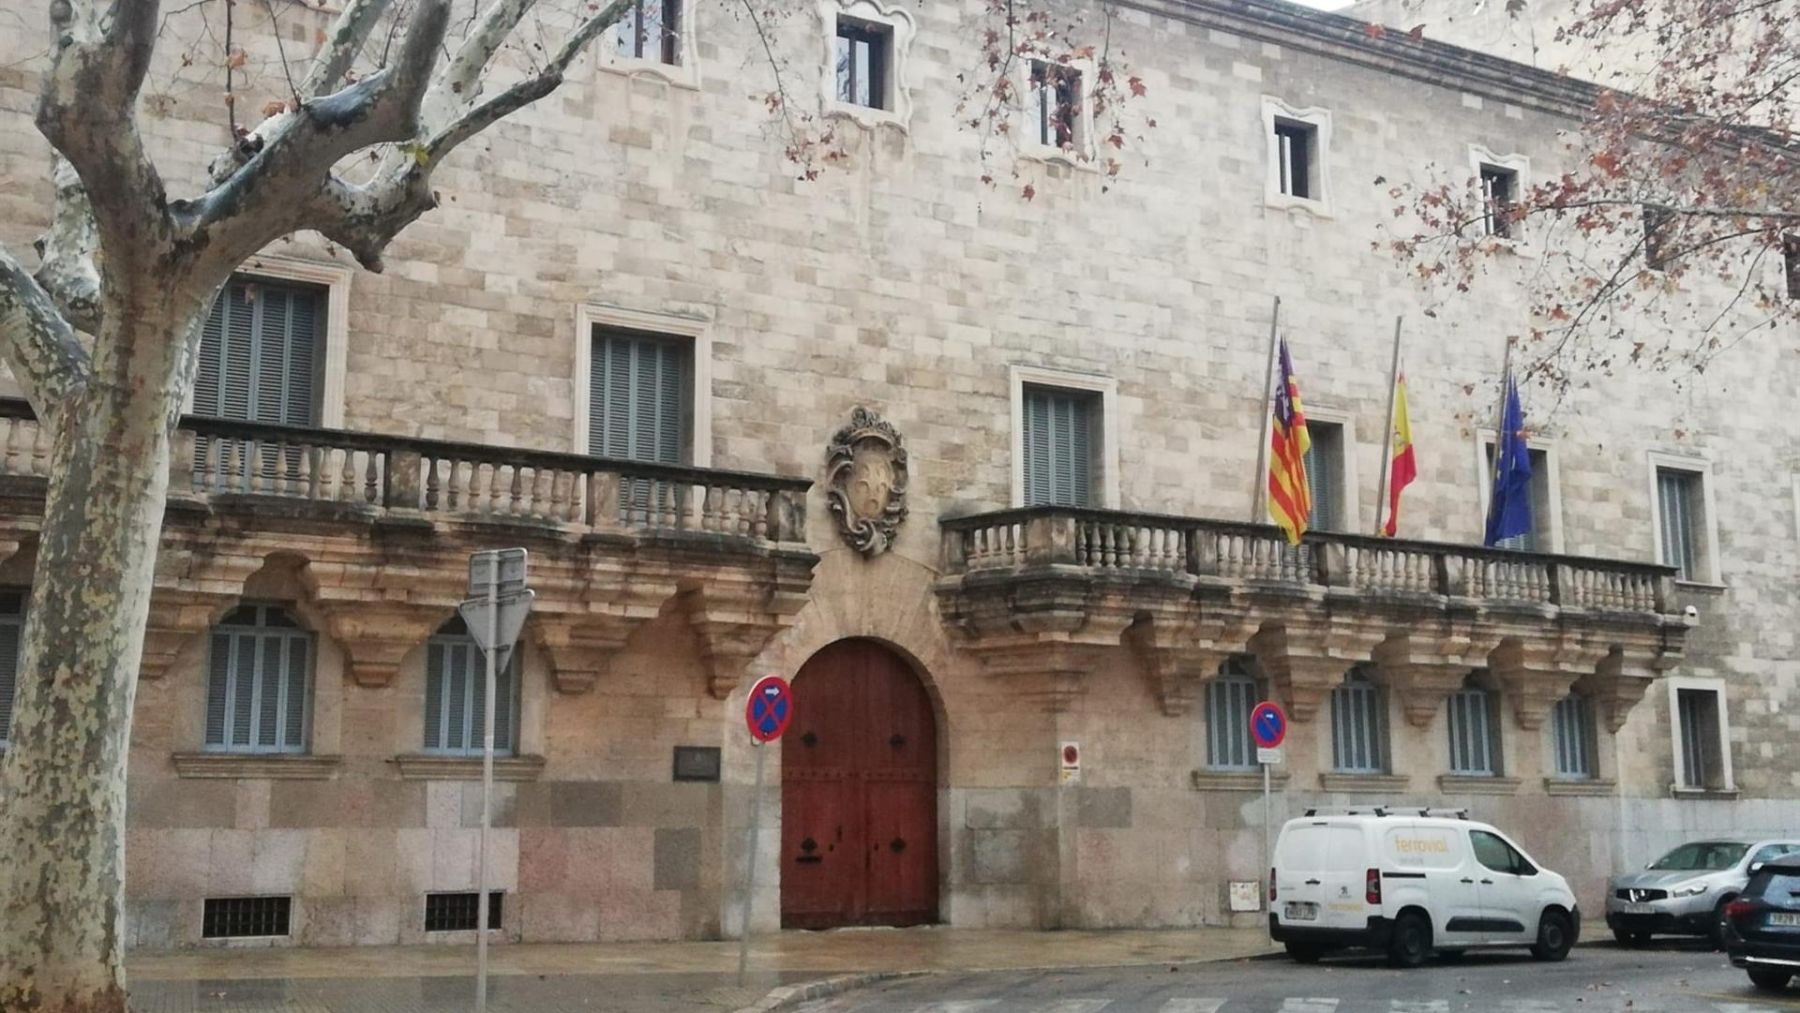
(1309,1006)
(959,1006)
(1420,1006)
(1075,1006)
(1201,1005)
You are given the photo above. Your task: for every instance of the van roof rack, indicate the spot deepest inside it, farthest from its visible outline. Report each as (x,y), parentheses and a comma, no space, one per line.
(1461,813)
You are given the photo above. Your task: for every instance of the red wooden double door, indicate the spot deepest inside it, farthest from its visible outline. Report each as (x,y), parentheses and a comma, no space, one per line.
(859,793)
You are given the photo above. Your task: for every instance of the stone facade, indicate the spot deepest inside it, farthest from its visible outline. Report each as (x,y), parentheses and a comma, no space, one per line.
(897,282)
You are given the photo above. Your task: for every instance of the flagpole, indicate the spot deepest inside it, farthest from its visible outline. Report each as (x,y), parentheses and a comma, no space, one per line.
(1387,453)
(1258,509)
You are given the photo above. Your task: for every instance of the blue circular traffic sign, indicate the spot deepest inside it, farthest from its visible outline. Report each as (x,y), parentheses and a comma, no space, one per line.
(769,709)
(1268,724)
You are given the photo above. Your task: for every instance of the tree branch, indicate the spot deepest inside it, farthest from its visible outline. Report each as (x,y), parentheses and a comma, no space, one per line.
(66,252)
(460,83)
(346,40)
(39,344)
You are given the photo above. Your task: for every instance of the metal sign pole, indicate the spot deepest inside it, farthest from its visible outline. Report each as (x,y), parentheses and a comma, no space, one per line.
(487,791)
(1267,864)
(750,872)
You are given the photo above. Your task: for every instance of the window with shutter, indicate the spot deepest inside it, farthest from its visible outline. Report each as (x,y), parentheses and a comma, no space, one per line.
(1474,731)
(12,639)
(1059,441)
(1325,472)
(1229,700)
(260,354)
(259,682)
(1572,737)
(1358,726)
(1678,496)
(456,695)
(640,408)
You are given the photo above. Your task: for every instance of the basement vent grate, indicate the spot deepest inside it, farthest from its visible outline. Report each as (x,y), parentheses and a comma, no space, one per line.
(244,917)
(460,912)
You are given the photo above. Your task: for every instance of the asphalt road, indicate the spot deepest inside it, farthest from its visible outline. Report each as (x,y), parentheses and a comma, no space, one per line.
(1667,978)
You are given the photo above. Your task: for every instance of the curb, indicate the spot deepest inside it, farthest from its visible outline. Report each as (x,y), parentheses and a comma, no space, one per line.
(792,995)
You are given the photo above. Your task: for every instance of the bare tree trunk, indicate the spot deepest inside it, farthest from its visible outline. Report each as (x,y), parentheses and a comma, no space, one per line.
(62,782)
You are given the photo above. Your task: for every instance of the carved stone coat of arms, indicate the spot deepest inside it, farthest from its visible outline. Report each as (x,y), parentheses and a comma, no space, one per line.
(865,481)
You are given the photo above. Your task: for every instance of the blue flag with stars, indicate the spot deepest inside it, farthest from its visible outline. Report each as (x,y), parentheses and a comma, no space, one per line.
(1509,508)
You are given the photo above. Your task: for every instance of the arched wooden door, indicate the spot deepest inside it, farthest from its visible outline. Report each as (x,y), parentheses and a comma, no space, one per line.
(859,793)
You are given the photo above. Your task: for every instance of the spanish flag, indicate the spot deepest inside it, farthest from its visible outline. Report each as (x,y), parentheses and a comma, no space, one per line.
(1403,467)
(1290,494)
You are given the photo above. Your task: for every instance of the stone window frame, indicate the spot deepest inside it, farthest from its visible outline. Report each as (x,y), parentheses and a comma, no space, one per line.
(1580,719)
(532,698)
(1476,687)
(1485,438)
(1079,155)
(1520,166)
(1319,119)
(302,630)
(1361,681)
(1711,573)
(901,32)
(1717,687)
(1349,503)
(335,280)
(1106,387)
(1236,670)
(696,330)
(683,74)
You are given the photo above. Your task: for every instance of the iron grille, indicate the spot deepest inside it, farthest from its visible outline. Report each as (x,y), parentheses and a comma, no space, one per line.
(460,912)
(239,917)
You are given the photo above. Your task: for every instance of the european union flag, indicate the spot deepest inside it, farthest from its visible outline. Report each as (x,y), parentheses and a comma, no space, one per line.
(1509,509)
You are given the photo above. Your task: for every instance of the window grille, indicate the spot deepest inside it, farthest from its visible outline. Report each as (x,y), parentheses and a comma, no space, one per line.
(259,682)
(243,917)
(1358,726)
(1473,732)
(456,695)
(1229,700)
(1572,736)
(1059,446)
(461,912)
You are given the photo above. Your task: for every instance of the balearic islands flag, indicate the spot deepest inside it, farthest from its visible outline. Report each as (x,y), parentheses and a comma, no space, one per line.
(1290,494)
(1403,467)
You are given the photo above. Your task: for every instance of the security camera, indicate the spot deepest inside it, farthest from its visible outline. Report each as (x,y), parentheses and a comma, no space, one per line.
(1690,612)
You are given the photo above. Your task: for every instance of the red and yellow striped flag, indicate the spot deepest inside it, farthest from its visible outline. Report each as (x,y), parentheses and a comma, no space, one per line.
(1403,467)
(1290,493)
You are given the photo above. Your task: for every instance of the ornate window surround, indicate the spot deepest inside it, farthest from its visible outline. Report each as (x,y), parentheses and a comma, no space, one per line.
(1317,117)
(899,85)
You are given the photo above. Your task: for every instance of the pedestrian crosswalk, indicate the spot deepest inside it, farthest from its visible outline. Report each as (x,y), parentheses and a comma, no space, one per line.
(1299,1004)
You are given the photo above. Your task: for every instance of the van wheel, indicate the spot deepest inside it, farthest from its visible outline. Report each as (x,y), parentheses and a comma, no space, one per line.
(1770,981)
(1554,936)
(1718,928)
(1305,954)
(1411,942)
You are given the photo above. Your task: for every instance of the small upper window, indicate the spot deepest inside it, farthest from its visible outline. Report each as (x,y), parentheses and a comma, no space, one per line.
(864,54)
(1054,105)
(1499,199)
(1296,152)
(650,30)
(259,683)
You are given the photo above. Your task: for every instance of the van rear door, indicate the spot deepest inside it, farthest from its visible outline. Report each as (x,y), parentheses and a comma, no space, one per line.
(1319,875)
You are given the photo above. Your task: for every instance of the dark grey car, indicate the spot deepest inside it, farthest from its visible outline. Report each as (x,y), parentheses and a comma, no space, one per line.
(1685,891)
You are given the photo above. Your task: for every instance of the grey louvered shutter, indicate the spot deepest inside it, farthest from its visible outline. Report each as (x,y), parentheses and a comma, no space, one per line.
(237,363)
(11,628)
(434,694)
(269,684)
(1037,448)
(504,682)
(243,688)
(456,687)
(212,345)
(299,682)
(638,398)
(476,668)
(670,402)
(1081,454)
(260,354)
(301,356)
(218,688)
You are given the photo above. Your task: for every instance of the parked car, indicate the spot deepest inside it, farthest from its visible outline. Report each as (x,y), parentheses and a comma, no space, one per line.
(1762,926)
(1410,881)
(1684,893)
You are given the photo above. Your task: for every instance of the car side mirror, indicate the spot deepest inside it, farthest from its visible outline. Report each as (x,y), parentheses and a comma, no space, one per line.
(1755,867)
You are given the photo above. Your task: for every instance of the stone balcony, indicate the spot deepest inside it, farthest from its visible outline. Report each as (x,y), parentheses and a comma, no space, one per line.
(1039,593)
(378,529)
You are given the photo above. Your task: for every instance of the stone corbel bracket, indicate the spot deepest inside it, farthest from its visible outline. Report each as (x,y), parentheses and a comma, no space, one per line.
(376,635)
(735,618)
(1424,666)
(1537,668)
(1180,653)
(1622,677)
(176,617)
(1306,659)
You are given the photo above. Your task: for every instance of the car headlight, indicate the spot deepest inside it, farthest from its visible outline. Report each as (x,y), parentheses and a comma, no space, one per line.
(1690,890)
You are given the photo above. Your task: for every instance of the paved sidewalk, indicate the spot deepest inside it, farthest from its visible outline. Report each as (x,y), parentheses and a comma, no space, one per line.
(633,977)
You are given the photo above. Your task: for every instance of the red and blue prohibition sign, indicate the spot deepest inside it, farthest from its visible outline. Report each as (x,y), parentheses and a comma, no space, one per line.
(1268,724)
(769,709)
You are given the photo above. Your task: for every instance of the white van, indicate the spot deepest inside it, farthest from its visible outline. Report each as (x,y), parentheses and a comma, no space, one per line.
(1410,881)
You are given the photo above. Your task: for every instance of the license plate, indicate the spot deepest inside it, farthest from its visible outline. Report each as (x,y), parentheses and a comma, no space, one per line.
(1302,911)
(1639,909)
(1784,919)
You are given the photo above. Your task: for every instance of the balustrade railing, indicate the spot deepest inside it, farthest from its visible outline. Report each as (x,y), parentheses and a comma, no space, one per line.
(214,458)
(1117,541)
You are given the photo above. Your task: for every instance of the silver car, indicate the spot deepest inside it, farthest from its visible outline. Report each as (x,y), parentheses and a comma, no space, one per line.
(1684,892)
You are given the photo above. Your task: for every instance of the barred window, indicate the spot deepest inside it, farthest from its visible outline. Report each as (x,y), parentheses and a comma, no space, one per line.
(1358,726)
(12,640)
(1229,700)
(1572,736)
(456,695)
(1474,732)
(259,685)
